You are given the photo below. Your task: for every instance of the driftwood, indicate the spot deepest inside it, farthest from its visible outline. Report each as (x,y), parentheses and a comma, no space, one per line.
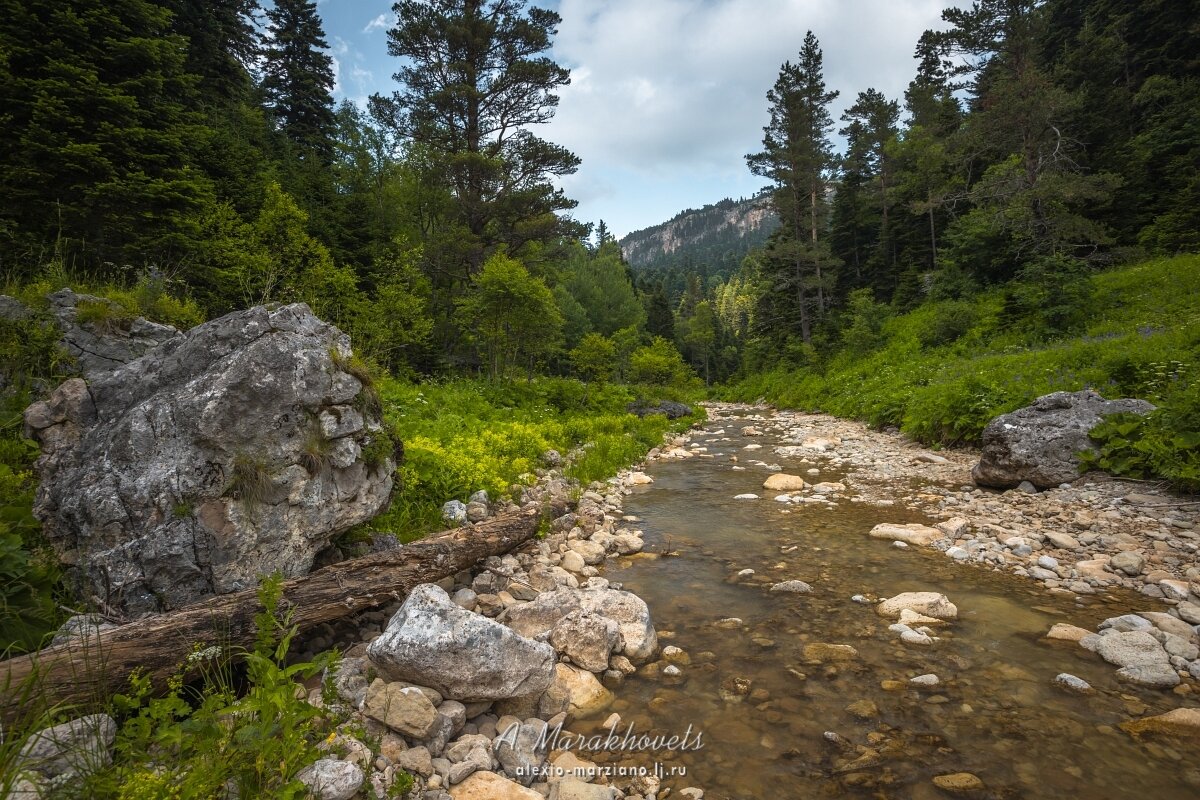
(88,670)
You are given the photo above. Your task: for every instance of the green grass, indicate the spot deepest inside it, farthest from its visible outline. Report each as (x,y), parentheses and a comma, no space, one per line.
(1142,339)
(462,435)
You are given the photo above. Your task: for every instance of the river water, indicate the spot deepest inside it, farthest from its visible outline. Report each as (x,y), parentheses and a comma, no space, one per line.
(995,712)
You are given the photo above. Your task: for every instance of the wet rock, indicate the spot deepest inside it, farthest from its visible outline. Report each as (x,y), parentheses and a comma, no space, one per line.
(863,709)
(821,652)
(331,779)
(913,533)
(746,496)
(930,604)
(958,783)
(925,681)
(575,789)
(1142,659)
(1061,631)
(1126,623)
(1041,442)
(1067,681)
(792,587)
(1178,722)
(782,482)
(423,644)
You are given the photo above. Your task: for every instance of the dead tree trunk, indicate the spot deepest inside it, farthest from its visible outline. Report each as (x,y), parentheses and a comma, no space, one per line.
(88,670)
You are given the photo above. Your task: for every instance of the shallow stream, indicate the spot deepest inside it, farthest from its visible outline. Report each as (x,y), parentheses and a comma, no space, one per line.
(996,712)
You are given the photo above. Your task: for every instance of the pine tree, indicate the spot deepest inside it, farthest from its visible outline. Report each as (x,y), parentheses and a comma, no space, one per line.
(223,43)
(659,319)
(797,157)
(298,79)
(474,82)
(95,140)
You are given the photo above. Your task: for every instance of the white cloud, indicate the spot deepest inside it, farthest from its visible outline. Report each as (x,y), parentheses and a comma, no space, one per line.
(677,86)
(382,22)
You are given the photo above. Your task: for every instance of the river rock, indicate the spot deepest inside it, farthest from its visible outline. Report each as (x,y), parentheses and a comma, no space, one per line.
(331,779)
(585,694)
(1141,658)
(1169,624)
(517,749)
(103,345)
(1072,683)
(191,471)
(958,783)
(490,786)
(1061,631)
(77,747)
(1178,722)
(1189,612)
(1040,443)
(912,533)
(639,640)
(782,482)
(403,708)
(586,638)
(591,552)
(1128,562)
(792,587)
(930,604)
(465,656)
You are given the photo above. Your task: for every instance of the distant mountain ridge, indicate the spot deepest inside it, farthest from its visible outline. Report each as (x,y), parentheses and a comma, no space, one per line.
(715,237)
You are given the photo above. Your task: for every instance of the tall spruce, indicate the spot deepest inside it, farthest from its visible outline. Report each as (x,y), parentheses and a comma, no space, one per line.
(96,141)
(797,157)
(474,82)
(298,79)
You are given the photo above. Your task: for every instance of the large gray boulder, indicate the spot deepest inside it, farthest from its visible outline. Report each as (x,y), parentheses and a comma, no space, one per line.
(1041,442)
(464,656)
(102,335)
(229,452)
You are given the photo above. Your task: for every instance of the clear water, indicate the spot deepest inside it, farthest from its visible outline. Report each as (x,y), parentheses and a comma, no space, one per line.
(996,712)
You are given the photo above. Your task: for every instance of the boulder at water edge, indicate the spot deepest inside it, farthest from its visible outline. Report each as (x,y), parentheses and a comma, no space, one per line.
(639,640)
(462,655)
(1040,443)
(229,452)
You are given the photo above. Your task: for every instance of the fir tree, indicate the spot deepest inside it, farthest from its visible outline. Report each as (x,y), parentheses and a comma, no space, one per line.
(298,78)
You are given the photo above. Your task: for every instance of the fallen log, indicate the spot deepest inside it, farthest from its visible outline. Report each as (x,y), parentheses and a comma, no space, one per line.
(87,670)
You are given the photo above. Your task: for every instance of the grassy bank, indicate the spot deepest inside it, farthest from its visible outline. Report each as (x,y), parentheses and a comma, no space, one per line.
(464,435)
(942,371)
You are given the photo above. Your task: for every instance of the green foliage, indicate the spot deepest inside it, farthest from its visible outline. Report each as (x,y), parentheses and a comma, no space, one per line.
(659,364)
(204,738)
(461,436)
(1165,444)
(943,370)
(511,315)
(595,358)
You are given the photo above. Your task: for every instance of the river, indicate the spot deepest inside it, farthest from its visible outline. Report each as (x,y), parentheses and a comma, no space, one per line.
(765,709)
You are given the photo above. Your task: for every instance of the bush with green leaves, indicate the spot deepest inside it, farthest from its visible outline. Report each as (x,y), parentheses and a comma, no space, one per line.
(1164,443)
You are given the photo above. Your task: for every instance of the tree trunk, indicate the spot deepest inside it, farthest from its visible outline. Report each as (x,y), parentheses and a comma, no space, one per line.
(87,671)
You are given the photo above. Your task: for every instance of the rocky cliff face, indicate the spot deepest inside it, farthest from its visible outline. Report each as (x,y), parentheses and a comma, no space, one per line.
(237,449)
(725,229)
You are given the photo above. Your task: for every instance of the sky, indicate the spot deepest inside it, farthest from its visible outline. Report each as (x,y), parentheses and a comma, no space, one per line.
(668,96)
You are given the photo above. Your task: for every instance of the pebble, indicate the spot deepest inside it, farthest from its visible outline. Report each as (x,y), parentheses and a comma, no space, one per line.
(1071,683)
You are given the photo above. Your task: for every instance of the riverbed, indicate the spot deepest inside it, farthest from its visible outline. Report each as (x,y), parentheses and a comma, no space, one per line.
(782,718)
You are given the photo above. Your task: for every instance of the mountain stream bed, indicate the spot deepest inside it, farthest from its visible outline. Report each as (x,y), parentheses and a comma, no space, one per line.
(782,716)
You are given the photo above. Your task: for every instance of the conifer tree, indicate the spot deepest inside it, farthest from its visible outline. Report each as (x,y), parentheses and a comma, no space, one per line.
(298,79)
(797,157)
(474,83)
